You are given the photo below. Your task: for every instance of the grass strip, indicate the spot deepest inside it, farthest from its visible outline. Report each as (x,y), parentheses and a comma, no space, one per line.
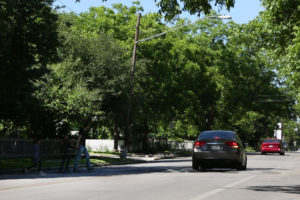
(17,163)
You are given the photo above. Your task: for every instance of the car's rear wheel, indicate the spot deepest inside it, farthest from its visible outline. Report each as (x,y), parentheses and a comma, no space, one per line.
(196,165)
(202,168)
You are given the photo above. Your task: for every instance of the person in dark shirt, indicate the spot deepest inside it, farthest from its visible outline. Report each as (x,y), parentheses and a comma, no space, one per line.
(80,146)
(65,150)
(36,157)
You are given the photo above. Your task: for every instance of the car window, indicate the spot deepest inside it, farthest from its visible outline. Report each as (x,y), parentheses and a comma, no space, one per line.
(272,141)
(213,134)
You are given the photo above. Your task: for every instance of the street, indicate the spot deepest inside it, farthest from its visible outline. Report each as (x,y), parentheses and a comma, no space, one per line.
(268,177)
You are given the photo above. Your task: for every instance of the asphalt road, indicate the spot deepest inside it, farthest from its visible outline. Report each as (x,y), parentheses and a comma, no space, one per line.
(268,177)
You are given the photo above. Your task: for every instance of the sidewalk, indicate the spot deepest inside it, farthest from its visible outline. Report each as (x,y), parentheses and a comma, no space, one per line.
(131,159)
(143,157)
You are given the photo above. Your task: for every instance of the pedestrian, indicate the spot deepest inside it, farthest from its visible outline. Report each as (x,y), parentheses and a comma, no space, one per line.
(65,150)
(36,157)
(80,146)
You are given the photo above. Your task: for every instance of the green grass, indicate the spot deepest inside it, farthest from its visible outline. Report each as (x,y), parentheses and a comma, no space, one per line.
(250,149)
(183,153)
(114,161)
(12,163)
(105,153)
(16,163)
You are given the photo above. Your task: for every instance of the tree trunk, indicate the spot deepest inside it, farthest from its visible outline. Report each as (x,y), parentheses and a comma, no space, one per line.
(116,139)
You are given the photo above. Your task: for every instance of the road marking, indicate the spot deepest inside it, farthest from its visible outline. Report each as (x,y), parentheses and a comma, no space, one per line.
(215,191)
(297,159)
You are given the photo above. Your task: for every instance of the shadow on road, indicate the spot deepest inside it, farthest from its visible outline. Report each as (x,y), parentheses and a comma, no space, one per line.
(183,165)
(166,166)
(171,160)
(260,169)
(293,189)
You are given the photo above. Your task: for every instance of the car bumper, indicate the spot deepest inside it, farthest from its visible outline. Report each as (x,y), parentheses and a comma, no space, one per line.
(217,159)
(270,150)
(216,155)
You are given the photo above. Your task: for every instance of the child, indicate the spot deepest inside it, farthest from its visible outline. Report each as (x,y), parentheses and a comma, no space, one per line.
(36,157)
(65,150)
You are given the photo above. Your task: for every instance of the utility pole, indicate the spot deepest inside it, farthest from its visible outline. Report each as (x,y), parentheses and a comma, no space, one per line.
(282,130)
(132,70)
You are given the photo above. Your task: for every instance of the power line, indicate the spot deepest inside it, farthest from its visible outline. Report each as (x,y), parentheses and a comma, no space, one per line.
(64,5)
(181,26)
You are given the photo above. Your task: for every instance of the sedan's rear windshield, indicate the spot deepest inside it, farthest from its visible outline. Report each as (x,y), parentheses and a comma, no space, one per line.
(213,134)
(271,141)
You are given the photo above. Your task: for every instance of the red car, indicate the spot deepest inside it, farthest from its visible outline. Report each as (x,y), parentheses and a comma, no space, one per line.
(272,145)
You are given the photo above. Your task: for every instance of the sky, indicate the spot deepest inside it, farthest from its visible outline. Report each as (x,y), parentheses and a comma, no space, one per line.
(243,11)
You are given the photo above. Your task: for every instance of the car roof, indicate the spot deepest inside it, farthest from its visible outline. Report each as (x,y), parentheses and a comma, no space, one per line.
(218,131)
(271,139)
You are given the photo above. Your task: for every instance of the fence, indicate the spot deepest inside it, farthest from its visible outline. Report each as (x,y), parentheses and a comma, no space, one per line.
(108,145)
(186,145)
(170,145)
(23,148)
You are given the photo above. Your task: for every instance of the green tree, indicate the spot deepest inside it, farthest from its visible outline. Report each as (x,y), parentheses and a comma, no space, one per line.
(254,90)
(291,134)
(89,76)
(28,41)
(208,75)
(276,34)
(119,23)
(172,8)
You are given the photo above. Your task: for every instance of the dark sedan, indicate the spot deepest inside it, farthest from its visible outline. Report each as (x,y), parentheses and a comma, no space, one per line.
(219,149)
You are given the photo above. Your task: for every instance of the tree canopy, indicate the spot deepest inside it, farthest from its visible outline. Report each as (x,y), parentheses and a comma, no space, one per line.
(173,8)
(61,69)
(28,40)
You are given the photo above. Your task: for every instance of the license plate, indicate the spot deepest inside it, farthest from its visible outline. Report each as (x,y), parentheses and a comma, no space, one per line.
(270,145)
(216,147)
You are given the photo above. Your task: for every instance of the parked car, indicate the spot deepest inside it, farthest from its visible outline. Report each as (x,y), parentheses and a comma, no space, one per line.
(272,145)
(219,149)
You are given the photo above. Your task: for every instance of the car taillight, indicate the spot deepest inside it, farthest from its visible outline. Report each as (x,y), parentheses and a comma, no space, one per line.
(199,143)
(234,145)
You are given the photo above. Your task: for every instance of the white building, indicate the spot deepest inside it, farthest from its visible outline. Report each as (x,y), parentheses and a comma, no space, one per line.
(278,132)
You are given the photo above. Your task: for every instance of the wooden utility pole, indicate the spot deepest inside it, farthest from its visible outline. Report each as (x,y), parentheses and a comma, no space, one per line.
(282,130)
(132,70)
